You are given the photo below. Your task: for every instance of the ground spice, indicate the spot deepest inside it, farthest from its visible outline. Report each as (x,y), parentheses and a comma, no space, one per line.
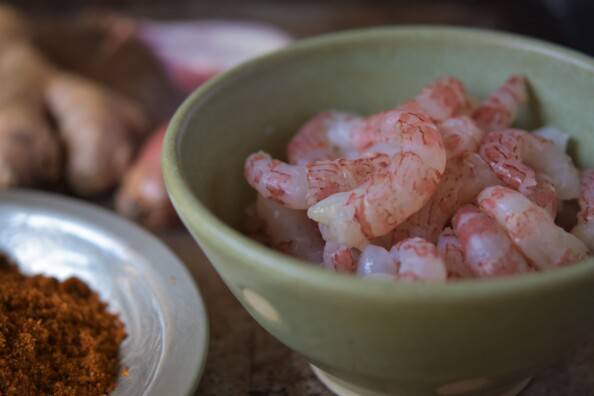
(56,338)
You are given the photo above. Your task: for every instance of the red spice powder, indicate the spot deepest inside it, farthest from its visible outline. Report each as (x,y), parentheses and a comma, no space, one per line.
(56,338)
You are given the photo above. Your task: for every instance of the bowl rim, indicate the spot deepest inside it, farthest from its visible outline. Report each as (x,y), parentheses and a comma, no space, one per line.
(213,233)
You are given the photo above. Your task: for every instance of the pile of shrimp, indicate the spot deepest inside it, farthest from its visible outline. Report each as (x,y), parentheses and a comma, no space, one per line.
(439,189)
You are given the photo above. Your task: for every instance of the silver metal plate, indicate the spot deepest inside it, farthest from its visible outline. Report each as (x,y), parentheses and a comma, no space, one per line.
(131,270)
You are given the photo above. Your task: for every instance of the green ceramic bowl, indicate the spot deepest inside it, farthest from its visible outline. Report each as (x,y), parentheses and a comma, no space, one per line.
(372,336)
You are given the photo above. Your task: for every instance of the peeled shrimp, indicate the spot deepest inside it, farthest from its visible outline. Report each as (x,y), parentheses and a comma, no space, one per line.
(333,134)
(419,260)
(584,230)
(499,110)
(531,228)
(342,258)
(312,141)
(517,156)
(409,159)
(463,179)
(301,186)
(339,257)
(375,261)
(442,99)
(544,195)
(446,102)
(488,250)
(586,198)
(277,180)
(555,135)
(290,231)
(460,134)
(450,250)
(412,259)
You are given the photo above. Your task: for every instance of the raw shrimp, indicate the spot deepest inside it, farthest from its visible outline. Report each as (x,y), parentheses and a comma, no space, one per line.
(586,198)
(460,134)
(531,228)
(419,260)
(277,180)
(463,179)
(450,250)
(585,233)
(377,262)
(555,135)
(290,231)
(332,134)
(517,156)
(499,110)
(584,230)
(339,257)
(312,141)
(476,176)
(488,250)
(301,186)
(411,259)
(342,258)
(442,99)
(409,159)
(446,102)
(544,195)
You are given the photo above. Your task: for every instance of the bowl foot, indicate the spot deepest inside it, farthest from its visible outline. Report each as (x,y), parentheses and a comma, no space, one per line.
(340,387)
(343,388)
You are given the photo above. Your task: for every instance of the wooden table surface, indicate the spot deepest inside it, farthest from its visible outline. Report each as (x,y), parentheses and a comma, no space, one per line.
(243,359)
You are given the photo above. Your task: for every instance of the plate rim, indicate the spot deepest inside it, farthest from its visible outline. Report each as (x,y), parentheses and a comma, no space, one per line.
(121,228)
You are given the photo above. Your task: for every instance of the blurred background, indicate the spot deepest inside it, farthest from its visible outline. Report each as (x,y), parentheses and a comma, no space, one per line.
(563,21)
(152,53)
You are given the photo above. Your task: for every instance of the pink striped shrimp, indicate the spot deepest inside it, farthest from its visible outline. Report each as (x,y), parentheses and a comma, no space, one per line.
(419,260)
(413,259)
(366,197)
(499,110)
(460,134)
(446,102)
(488,250)
(412,162)
(312,141)
(328,133)
(277,180)
(586,197)
(442,99)
(517,157)
(531,228)
(584,230)
(340,258)
(450,249)
(463,179)
(301,186)
(544,194)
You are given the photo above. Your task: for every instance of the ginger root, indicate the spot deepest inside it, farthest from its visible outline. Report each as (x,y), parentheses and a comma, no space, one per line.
(30,153)
(99,129)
